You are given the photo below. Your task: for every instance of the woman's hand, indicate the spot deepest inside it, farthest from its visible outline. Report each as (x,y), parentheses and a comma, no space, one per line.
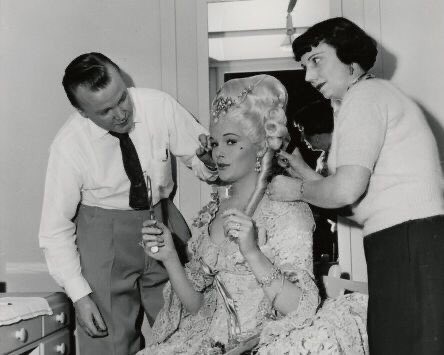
(293,163)
(155,234)
(284,188)
(238,225)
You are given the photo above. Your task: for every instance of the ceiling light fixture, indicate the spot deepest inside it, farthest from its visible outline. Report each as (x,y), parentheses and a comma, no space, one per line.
(290,30)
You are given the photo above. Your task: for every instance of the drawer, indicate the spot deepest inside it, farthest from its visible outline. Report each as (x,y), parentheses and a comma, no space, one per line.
(19,334)
(61,316)
(57,344)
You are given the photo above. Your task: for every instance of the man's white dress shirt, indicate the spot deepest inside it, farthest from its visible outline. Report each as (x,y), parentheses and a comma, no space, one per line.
(85,166)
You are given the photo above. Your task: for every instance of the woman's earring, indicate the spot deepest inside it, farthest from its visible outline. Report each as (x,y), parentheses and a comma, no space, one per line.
(257,167)
(351,70)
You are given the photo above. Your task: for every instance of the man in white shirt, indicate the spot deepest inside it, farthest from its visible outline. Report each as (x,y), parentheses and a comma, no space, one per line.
(88,231)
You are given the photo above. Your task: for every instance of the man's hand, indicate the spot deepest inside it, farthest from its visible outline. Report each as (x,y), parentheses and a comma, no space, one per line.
(89,317)
(204,152)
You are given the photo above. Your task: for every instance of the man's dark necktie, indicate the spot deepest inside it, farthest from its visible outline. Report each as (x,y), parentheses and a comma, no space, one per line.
(138,191)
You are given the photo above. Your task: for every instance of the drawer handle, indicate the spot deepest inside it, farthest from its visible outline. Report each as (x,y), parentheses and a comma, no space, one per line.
(21,335)
(61,318)
(61,348)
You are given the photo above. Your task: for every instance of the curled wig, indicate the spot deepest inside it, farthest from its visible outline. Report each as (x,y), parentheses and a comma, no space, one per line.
(258,104)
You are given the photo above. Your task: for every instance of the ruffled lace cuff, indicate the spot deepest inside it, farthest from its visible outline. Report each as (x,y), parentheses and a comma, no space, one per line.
(199,279)
(298,319)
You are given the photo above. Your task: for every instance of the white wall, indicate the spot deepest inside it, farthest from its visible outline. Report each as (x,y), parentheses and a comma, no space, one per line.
(412,33)
(37,41)
(192,92)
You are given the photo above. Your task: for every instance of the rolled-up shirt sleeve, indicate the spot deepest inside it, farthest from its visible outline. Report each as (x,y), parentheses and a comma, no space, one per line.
(184,131)
(57,235)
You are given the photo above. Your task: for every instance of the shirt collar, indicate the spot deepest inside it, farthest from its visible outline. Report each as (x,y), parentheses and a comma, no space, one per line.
(96,131)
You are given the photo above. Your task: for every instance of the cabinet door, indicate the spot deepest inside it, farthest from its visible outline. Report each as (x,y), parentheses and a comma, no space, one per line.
(58,343)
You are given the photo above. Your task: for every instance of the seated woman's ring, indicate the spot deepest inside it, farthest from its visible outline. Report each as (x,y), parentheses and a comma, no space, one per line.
(237,226)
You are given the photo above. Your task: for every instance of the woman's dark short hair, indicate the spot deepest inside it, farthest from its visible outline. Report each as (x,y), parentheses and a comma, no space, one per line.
(352,44)
(90,70)
(316,117)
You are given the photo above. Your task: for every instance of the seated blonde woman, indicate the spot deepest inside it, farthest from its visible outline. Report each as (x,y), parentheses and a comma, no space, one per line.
(250,257)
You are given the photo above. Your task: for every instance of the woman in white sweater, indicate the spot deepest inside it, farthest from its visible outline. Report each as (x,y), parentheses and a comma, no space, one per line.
(384,164)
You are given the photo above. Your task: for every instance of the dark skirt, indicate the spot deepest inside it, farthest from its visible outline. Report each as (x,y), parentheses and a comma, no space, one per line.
(405,265)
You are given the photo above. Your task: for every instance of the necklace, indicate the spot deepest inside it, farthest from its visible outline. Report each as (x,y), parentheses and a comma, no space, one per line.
(224,192)
(363,76)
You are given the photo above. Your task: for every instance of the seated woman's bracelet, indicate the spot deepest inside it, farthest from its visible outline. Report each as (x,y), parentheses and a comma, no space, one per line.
(301,189)
(274,274)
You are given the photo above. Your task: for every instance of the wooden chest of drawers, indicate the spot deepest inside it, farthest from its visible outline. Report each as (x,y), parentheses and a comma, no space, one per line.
(47,335)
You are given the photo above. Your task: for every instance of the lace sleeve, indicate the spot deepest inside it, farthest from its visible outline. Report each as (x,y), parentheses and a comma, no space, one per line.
(289,245)
(198,278)
(289,227)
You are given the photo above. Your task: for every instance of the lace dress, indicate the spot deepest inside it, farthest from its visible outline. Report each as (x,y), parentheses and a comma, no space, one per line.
(235,306)
(339,327)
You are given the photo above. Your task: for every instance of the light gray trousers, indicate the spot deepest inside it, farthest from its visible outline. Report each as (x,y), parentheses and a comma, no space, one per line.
(124,280)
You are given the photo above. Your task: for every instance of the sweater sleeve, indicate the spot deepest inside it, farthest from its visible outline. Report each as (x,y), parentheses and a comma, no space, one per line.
(360,127)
